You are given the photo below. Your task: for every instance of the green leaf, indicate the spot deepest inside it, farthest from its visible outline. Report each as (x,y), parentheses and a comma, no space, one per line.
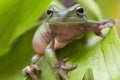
(12,63)
(16,17)
(109,8)
(106,58)
(102,59)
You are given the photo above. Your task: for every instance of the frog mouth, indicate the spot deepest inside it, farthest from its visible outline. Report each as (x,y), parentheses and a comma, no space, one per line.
(66,22)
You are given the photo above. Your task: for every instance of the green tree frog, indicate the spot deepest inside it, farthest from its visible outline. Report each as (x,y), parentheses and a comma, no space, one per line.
(61,27)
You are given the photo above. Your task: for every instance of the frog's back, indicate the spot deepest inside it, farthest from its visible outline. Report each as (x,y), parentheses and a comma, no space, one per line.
(41,39)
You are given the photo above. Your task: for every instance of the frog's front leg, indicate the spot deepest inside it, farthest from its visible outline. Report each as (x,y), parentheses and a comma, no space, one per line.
(59,66)
(98,26)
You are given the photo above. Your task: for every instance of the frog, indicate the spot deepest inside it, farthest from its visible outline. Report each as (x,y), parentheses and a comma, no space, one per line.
(62,26)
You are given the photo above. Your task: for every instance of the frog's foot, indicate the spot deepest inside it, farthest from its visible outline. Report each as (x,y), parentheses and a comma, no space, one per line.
(62,65)
(62,68)
(32,71)
(103,24)
(106,23)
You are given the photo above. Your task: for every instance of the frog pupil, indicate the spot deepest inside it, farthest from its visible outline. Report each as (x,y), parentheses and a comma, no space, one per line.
(80,10)
(49,12)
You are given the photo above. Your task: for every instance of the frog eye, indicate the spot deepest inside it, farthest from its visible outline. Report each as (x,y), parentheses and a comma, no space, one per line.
(50,12)
(79,11)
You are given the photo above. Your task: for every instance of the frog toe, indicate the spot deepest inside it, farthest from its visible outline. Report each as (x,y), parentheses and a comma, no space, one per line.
(63,69)
(69,67)
(62,65)
(32,71)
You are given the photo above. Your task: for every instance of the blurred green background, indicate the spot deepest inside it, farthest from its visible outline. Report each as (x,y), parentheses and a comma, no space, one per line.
(17,20)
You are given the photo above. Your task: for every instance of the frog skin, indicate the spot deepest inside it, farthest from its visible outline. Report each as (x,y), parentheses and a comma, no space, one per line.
(61,27)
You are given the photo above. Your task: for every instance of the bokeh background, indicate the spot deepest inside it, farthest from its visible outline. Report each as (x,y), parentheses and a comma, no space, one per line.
(17,20)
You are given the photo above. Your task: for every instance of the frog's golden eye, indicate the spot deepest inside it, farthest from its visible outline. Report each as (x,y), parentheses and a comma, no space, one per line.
(79,11)
(50,12)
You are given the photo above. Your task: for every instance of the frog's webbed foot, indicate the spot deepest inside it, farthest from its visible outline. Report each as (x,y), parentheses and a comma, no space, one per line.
(101,25)
(33,71)
(61,65)
(62,68)
(106,23)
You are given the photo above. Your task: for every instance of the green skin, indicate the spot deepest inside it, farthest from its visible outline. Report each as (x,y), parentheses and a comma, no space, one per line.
(61,27)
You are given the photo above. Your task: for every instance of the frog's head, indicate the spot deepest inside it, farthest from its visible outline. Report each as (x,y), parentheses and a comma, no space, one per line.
(74,13)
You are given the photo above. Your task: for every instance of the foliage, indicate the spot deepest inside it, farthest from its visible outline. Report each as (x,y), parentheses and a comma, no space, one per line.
(16,20)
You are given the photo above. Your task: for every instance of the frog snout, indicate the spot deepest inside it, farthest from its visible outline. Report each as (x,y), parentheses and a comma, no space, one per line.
(62,13)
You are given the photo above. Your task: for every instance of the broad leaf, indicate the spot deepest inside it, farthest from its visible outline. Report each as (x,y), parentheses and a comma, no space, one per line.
(16,17)
(12,63)
(109,8)
(102,59)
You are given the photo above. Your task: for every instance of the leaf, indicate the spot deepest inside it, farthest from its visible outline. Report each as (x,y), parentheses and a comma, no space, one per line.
(109,8)
(16,17)
(102,59)
(108,67)
(12,63)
